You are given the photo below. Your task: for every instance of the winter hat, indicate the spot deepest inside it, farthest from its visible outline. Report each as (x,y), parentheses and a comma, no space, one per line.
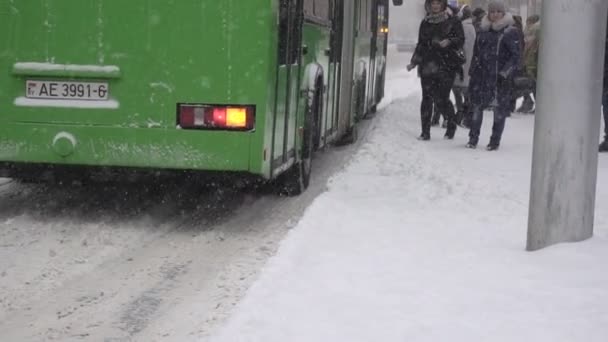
(497,6)
(427,5)
(479,12)
(465,12)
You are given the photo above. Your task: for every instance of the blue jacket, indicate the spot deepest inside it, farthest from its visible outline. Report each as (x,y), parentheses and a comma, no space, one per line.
(496,58)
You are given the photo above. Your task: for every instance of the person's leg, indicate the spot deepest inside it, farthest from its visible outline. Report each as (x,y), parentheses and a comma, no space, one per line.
(436,114)
(605,111)
(459,95)
(442,100)
(475,126)
(468,109)
(426,108)
(533,110)
(500,118)
(604,144)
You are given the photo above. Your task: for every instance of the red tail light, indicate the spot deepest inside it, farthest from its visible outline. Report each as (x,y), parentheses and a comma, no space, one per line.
(195,116)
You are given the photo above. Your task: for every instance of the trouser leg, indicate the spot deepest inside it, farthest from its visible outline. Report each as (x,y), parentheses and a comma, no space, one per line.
(476,123)
(605,112)
(459,97)
(461,102)
(443,86)
(500,118)
(426,107)
(467,108)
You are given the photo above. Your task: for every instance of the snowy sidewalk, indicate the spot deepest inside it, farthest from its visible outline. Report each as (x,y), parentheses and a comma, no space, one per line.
(425,242)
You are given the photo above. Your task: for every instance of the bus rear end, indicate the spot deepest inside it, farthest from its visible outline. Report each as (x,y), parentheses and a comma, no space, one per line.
(177,84)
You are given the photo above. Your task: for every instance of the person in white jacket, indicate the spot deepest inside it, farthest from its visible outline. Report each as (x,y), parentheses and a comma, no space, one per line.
(464,112)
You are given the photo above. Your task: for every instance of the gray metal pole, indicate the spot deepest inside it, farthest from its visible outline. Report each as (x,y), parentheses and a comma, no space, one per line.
(564,166)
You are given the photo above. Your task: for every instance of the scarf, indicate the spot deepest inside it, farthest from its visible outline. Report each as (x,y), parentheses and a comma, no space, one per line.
(437,18)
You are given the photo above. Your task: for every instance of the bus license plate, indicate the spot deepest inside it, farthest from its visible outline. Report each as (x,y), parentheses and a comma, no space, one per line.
(60,90)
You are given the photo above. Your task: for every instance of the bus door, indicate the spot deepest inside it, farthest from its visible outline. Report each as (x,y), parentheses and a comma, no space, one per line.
(382,48)
(346,117)
(335,59)
(373,62)
(288,73)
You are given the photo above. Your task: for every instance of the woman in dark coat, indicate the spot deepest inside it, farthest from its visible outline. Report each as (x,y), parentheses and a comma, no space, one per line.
(436,56)
(495,61)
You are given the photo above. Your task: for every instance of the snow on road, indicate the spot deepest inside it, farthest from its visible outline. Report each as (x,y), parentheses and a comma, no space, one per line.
(146,263)
(412,242)
(424,241)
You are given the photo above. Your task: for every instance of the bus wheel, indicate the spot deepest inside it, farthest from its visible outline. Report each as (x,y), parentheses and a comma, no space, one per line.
(296,180)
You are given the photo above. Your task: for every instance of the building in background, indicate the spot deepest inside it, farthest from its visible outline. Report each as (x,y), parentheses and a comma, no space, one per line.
(405,20)
(524,8)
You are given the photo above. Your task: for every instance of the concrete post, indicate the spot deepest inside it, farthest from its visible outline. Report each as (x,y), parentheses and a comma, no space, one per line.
(564,166)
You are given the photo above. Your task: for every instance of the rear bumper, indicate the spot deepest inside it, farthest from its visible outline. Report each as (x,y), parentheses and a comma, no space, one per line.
(36,172)
(141,148)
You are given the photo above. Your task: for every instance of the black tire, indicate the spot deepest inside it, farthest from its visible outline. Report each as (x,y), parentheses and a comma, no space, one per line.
(297,179)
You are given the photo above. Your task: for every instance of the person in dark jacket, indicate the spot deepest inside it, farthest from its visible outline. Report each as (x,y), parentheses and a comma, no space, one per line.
(495,60)
(464,112)
(478,15)
(519,25)
(604,144)
(436,56)
(530,63)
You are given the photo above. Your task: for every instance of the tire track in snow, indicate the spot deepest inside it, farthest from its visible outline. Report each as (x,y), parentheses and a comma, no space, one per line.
(129,263)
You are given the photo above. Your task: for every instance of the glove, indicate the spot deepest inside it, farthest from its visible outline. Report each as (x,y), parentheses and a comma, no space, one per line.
(444,43)
(410,67)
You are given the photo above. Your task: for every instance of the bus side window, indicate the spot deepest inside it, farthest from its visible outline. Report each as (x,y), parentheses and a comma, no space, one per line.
(283,32)
(322,9)
(309,8)
(295,38)
(363,16)
(290,35)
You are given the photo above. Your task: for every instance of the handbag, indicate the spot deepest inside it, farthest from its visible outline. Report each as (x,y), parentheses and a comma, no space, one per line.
(455,58)
(461,57)
(524,83)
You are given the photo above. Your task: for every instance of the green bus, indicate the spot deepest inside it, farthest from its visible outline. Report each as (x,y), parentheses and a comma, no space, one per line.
(247,87)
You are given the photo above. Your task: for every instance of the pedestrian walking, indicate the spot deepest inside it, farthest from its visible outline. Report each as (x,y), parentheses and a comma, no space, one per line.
(527,84)
(478,15)
(438,59)
(495,60)
(460,89)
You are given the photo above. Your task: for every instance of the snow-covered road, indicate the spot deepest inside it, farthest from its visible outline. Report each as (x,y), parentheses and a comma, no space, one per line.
(413,241)
(137,262)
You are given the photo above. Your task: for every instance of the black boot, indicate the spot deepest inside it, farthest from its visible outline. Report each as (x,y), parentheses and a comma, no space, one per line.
(459,117)
(473,140)
(492,147)
(425,135)
(435,121)
(604,146)
(451,130)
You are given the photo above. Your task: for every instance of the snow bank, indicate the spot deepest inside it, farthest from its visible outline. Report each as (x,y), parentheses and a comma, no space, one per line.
(423,241)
